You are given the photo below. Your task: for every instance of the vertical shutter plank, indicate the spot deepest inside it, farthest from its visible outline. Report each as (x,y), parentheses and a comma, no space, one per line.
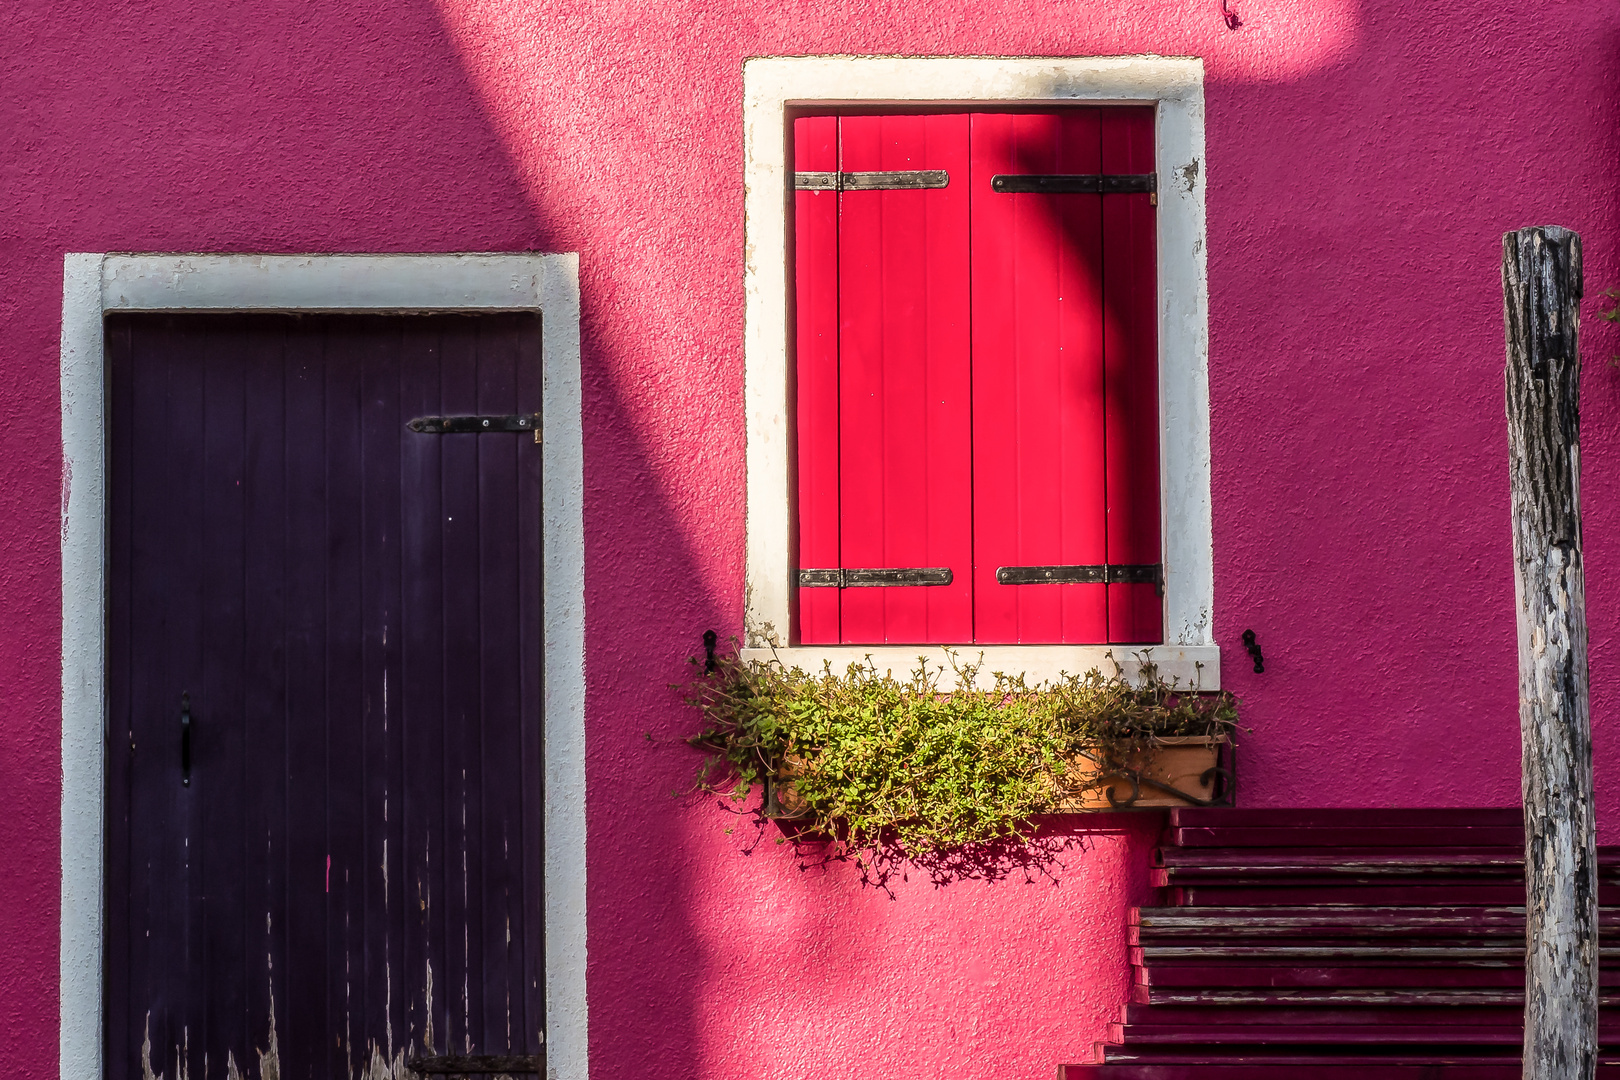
(905,460)
(1135,612)
(1038,438)
(815,255)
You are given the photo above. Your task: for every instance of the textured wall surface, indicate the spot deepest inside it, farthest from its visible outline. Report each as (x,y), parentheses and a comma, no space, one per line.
(1364,159)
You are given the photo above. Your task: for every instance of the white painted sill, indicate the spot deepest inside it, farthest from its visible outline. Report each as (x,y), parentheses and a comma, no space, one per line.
(1037,663)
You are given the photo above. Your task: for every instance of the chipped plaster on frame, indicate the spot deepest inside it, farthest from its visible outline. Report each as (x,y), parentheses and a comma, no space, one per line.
(94,284)
(772,87)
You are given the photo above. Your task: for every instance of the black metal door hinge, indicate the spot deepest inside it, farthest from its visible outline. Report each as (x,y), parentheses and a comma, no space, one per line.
(1084,574)
(1077,184)
(893,180)
(464,425)
(867,579)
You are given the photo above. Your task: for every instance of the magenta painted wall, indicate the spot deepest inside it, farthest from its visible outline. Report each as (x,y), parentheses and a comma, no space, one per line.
(1363,160)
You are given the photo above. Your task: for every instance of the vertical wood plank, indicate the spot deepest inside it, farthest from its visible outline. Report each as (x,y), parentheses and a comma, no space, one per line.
(178,556)
(462,778)
(499,720)
(1131,351)
(260,345)
(905,460)
(354,983)
(423,702)
(316,976)
(1541,288)
(1038,491)
(219,779)
(815,276)
(381,430)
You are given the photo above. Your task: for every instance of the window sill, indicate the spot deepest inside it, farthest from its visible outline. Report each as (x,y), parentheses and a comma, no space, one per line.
(1037,663)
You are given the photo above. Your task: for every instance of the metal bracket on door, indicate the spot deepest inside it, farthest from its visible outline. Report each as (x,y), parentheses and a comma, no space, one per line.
(868,579)
(462,425)
(1084,574)
(895,180)
(1076,183)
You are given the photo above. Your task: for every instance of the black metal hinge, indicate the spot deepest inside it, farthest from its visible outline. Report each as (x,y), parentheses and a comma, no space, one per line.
(1084,574)
(1076,183)
(867,579)
(463,425)
(893,180)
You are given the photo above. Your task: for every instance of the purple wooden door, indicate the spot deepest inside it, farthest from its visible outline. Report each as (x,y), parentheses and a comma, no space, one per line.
(347,871)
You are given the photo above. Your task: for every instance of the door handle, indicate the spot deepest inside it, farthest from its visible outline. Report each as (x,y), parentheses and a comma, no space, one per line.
(185,739)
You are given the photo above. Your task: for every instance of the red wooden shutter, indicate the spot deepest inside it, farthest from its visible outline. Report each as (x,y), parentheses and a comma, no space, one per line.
(977,397)
(1038,439)
(1131,351)
(815,149)
(904,453)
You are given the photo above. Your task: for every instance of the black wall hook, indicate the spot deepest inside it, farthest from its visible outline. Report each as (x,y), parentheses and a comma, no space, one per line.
(709,639)
(1251,643)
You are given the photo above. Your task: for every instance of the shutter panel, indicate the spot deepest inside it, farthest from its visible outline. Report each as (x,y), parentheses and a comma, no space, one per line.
(904,454)
(1038,388)
(815,260)
(1130,346)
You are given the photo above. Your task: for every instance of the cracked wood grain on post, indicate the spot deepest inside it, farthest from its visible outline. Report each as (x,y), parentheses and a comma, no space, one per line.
(1541,288)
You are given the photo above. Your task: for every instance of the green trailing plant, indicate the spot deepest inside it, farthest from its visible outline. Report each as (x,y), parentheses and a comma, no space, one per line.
(885,770)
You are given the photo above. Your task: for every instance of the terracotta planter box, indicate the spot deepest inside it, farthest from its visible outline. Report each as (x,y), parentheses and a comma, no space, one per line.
(1191,767)
(1179,770)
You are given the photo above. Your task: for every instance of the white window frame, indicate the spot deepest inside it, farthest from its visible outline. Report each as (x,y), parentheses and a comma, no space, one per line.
(773,88)
(94,284)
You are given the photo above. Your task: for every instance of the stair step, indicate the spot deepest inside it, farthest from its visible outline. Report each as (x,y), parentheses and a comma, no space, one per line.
(1335,945)
(1510,997)
(1500,1070)
(1165,923)
(1402,837)
(1141,1035)
(1347,954)
(1350,894)
(1340,1054)
(1234,1016)
(1348,818)
(1331,997)
(1285,976)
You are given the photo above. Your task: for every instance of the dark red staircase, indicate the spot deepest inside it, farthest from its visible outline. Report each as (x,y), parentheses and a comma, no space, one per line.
(1337,944)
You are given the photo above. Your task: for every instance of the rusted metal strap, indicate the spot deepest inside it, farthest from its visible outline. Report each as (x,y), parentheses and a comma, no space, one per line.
(892,180)
(868,579)
(1083,574)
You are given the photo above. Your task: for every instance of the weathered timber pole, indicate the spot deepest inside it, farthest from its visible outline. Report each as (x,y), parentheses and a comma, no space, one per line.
(1541,288)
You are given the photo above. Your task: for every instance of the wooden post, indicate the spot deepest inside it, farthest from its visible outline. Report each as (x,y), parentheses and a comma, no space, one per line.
(1541,287)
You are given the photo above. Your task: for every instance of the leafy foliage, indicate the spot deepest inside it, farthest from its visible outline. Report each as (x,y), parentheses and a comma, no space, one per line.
(905,770)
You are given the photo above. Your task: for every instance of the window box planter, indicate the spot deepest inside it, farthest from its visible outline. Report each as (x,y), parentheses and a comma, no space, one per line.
(1177,770)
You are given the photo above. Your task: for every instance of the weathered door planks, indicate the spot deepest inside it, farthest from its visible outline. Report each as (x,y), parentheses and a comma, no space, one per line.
(353,876)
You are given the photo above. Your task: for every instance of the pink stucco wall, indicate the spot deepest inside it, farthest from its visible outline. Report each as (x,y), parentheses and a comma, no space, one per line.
(1363,160)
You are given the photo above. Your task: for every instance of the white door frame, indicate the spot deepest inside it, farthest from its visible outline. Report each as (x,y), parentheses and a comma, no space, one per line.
(94,284)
